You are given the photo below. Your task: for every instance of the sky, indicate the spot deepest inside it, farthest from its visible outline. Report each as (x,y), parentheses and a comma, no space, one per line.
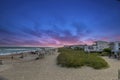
(58,22)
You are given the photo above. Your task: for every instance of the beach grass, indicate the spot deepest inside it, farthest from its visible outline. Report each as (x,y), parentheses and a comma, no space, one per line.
(78,58)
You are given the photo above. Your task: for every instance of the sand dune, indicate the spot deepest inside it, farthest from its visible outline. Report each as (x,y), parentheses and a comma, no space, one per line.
(46,69)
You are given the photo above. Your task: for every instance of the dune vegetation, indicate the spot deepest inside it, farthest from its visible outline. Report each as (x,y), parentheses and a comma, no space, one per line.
(78,58)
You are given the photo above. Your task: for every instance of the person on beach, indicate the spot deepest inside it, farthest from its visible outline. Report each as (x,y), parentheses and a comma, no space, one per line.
(22,56)
(12,57)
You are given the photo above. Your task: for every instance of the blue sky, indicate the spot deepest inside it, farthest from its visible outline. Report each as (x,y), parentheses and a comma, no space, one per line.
(58,22)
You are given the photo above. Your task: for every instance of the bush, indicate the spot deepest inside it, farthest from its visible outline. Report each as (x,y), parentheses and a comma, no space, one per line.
(106,52)
(78,48)
(75,58)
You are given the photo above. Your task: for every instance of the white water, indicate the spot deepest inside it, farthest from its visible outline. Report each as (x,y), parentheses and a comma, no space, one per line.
(7,51)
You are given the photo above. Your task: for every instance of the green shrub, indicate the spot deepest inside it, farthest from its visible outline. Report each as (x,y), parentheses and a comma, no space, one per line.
(76,58)
(78,48)
(106,52)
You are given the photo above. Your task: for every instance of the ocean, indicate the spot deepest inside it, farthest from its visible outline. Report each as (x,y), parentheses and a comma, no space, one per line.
(17,50)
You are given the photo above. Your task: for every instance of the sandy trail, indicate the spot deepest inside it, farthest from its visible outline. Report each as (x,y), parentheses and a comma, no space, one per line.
(46,69)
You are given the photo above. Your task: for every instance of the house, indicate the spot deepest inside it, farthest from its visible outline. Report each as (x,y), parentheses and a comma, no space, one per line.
(90,48)
(101,45)
(115,46)
(98,46)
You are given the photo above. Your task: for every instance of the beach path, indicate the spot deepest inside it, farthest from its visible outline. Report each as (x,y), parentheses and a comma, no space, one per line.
(46,69)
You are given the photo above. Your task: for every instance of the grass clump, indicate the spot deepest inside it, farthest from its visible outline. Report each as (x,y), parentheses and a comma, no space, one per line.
(77,58)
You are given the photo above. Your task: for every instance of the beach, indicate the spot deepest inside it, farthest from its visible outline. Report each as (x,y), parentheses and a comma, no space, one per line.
(46,69)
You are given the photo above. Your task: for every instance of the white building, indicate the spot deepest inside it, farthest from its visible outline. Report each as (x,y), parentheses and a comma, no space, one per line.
(115,46)
(90,48)
(99,46)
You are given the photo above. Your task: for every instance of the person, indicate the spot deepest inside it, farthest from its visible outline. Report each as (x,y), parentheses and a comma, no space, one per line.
(22,56)
(118,56)
(115,56)
(11,57)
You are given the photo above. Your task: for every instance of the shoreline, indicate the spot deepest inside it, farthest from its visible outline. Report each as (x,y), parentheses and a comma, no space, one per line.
(27,56)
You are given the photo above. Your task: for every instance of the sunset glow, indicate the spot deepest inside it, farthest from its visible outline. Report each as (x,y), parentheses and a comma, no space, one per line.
(58,22)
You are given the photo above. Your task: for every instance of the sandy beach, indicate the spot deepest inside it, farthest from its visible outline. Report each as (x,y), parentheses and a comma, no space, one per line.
(46,69)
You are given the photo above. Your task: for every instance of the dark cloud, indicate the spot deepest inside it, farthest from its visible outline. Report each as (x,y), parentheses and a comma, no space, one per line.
(66,37)
(32,32)
(32,42)
(81,28)
(4,30)
(39,22)
(62,36)
(8,41)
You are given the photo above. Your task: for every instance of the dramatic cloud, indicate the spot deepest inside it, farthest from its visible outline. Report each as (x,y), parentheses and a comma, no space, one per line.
(58,23)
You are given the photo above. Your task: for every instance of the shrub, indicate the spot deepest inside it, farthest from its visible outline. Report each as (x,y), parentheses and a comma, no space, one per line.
(106,52)
(76,58)
(78,48)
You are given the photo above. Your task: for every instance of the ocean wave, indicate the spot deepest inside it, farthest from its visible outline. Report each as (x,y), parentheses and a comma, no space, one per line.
(7,51)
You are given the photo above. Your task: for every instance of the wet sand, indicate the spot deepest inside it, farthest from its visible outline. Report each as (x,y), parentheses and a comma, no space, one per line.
(46,69)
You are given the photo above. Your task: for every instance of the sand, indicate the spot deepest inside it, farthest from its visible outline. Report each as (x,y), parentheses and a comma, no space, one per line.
(46,69)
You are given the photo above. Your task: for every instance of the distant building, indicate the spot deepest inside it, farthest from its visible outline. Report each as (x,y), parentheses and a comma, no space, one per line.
(90,48)
(67,46)
(115,46)
(99,46)
(74,46)
(77,46)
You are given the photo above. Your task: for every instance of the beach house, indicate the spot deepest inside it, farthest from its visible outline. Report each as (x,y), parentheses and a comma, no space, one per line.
(90,48)
(98,46)
(101,45)
(115,47)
